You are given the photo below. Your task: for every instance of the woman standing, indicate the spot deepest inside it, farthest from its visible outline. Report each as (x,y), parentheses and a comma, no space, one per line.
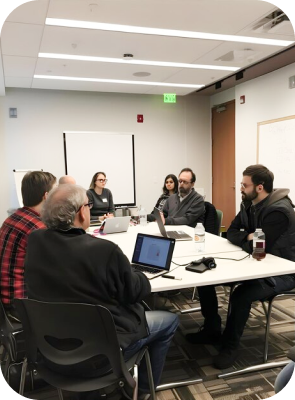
(170,187)
(103,205)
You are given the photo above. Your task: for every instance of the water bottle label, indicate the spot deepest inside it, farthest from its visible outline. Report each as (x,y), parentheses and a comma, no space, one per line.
(143,219)
(260,244)
(199,238)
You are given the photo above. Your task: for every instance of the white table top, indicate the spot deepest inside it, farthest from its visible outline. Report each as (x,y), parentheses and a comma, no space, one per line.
(126,240)
(215,246)
(226,271)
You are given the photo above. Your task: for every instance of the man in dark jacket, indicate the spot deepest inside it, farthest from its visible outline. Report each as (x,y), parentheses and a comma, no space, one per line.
(261,207)
(187,206)
(63,263)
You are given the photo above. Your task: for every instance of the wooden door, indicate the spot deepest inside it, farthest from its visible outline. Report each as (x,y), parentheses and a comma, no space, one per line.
(223,160)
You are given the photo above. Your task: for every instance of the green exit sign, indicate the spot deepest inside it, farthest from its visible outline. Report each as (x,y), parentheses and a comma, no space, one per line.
(169,98)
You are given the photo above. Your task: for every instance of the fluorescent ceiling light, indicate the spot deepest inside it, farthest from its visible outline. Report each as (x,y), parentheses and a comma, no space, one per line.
(136,62)
(164,32)
(147,83)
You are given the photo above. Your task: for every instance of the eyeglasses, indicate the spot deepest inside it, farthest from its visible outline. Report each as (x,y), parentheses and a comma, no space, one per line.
(180,181)
(90,205)
(101,180)
(245,185)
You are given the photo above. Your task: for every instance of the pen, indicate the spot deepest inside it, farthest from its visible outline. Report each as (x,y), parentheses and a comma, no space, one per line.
(171,277)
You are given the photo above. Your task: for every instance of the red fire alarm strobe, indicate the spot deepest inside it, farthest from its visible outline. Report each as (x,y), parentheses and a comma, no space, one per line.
(140,118)
(242,99)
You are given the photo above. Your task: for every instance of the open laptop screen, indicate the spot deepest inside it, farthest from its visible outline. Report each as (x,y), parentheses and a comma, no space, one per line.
(153,251)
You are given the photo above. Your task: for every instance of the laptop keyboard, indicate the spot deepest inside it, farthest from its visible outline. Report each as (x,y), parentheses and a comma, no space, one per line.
(177,235)
(145,269)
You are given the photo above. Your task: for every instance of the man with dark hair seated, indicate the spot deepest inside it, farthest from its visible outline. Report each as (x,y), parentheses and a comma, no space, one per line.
(273,211)
(14,236)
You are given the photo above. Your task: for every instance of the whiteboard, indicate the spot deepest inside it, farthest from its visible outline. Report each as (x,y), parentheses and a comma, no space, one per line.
(276,150)
(112,153)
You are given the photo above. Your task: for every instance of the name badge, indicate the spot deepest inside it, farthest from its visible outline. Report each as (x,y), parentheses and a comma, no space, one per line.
(105,200)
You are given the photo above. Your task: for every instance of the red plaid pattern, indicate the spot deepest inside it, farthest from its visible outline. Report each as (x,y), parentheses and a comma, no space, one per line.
(13,244)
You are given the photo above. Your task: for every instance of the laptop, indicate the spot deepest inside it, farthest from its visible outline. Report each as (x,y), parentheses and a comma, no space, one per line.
(152,255)
(115,225)
(177,235)
(95,222)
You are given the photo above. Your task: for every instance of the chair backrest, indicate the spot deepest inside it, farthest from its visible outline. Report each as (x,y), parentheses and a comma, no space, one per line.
(7,333)
(70,333)
(220,217)
(211,221)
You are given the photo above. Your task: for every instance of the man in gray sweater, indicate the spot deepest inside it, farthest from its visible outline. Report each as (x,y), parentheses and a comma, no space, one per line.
(187,206)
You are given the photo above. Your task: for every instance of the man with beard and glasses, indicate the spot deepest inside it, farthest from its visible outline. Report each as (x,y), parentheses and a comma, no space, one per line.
(187,206)
(261,207)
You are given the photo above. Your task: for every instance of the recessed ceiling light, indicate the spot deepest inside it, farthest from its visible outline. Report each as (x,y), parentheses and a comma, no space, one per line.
(136,62)
(146,83)
(164,32)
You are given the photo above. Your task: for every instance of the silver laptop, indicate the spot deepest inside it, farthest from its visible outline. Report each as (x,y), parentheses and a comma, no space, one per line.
(152,255)
(177,235)
(115,225)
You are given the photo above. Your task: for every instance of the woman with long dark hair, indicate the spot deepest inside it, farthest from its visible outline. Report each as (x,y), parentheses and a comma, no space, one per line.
(170,187)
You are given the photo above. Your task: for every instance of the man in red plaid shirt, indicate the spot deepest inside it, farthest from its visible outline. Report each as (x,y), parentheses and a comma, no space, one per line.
(14,236)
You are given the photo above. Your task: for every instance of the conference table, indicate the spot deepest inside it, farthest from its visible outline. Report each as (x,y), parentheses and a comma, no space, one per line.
(233,265)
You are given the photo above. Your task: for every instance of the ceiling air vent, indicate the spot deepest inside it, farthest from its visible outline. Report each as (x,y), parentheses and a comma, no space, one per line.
(277,23)
(244,55)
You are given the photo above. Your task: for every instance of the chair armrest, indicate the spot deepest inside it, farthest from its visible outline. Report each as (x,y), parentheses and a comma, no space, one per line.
(140,356)
(291,353)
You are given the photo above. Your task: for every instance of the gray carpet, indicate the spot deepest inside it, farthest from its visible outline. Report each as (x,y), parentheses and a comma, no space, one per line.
(185,361)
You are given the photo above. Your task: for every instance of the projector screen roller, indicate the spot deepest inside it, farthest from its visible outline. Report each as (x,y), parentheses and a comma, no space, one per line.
(112,153)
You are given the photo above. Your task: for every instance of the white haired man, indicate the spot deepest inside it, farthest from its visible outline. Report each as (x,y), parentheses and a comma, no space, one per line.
(63,263)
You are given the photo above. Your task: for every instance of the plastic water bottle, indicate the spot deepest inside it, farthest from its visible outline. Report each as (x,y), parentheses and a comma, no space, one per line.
(142,217)
(200,237)
(258,245)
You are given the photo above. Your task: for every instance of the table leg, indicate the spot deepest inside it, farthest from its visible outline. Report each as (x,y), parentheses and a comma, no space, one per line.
(255,368)
(176,384)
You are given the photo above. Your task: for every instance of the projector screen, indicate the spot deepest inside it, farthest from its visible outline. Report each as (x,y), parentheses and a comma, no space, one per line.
(112,153)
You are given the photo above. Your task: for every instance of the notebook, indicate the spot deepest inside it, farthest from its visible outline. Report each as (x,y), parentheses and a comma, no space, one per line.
(177,235)
(115,225)
(152,255)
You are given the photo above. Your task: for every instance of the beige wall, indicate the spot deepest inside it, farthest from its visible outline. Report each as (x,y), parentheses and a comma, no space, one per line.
(267,97)
(4,196)
(172,136)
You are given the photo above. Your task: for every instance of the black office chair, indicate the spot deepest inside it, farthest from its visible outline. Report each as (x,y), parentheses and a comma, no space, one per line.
(61,335)
(220,218)
(212,221)
(212,224)
(267,305)
(285,375)
(12,341)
